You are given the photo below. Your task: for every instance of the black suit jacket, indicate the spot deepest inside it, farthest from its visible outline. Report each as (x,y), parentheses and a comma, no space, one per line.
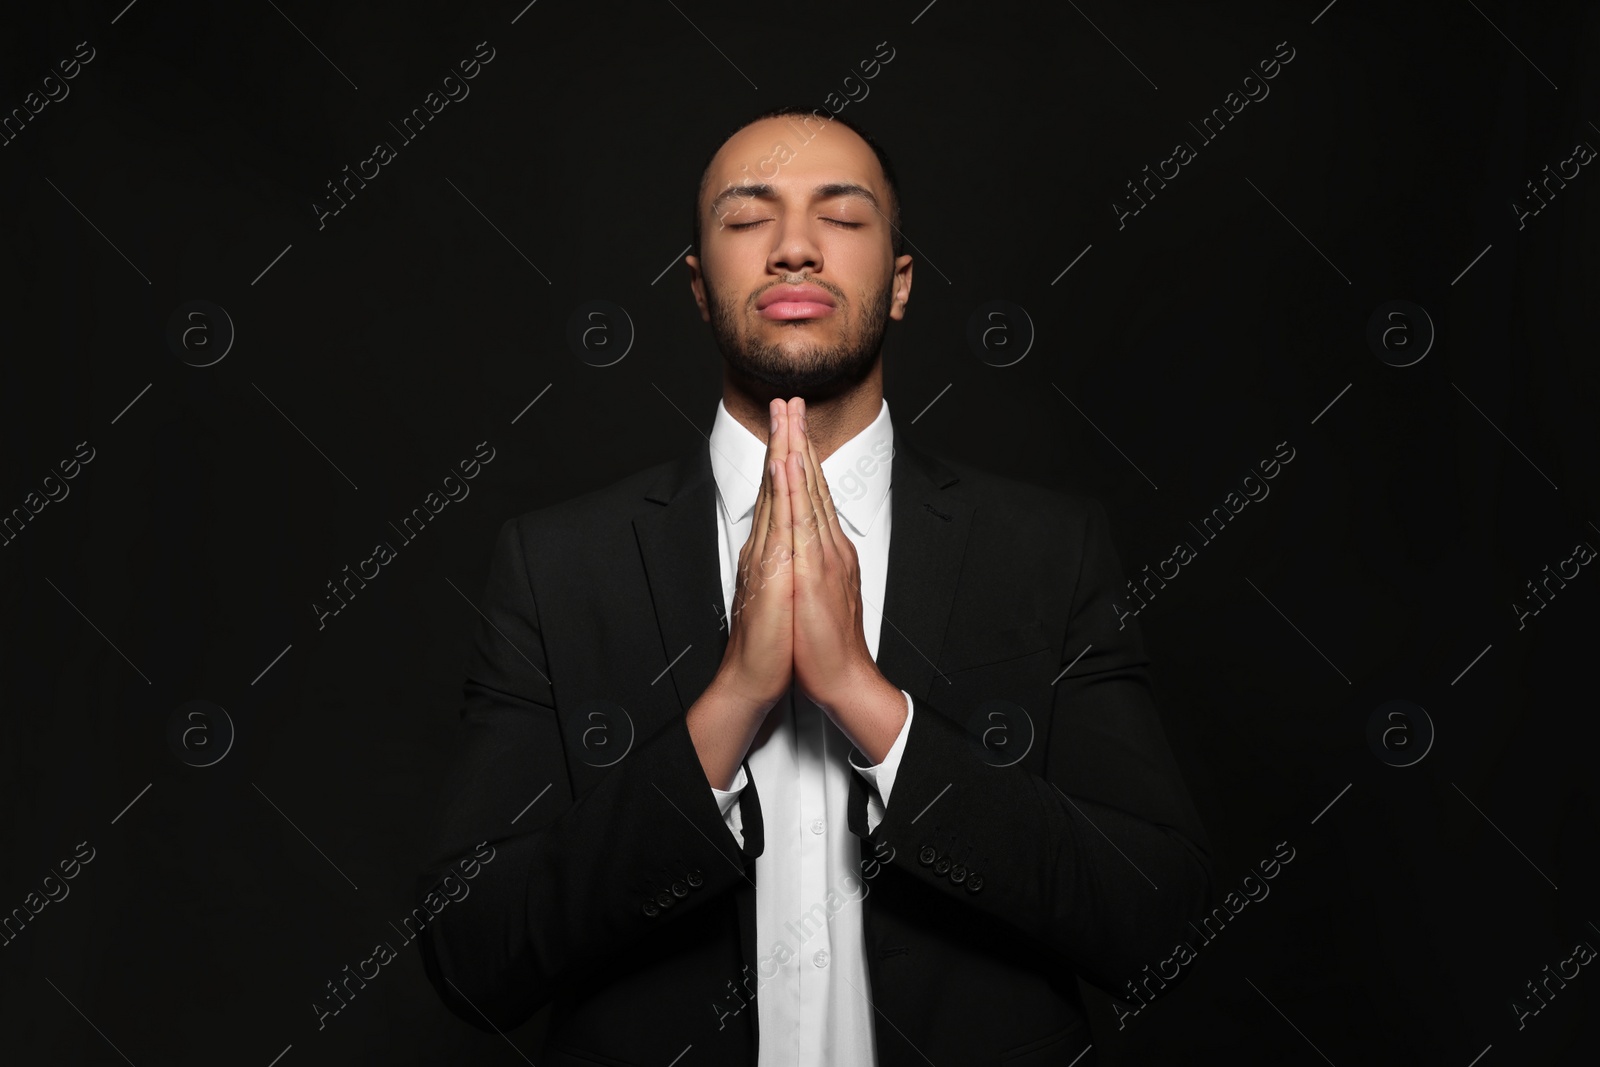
(1038,827)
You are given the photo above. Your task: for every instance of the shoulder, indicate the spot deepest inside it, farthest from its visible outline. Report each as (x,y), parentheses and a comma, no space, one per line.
(1022,504)
(597,518)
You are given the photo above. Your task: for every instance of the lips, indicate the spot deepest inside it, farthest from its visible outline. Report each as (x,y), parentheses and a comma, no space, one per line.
(785,302)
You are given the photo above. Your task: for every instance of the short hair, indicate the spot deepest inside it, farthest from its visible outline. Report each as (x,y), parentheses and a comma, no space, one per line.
(897,238)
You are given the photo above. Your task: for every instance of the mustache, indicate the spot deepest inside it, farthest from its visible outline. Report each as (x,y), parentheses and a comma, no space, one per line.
(837,294)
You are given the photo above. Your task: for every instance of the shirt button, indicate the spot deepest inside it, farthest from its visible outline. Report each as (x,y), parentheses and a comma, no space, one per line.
(821,958)
(817,826)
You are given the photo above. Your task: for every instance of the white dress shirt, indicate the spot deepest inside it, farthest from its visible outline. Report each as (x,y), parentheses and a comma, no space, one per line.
(812,985)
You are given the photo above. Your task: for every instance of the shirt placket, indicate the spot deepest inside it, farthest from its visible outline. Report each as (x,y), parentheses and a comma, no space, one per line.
(816,954)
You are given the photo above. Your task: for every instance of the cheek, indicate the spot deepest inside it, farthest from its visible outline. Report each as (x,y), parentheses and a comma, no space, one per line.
(719,296)
(733,279)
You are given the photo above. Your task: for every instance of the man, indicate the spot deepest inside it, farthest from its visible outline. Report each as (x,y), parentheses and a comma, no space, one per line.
(874,804)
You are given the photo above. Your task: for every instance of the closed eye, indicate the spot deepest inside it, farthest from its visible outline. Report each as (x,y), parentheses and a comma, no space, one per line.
(758,222)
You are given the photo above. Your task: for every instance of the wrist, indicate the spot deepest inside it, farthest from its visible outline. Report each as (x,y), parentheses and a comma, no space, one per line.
(871,712)
(863,687)
(733,698)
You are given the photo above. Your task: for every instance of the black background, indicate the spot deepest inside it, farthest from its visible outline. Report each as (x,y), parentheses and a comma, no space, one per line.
(1224,318)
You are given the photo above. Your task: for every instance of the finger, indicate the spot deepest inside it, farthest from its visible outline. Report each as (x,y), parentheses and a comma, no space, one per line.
(780,545)
(762,518)
(778,437)
(826,492)
(774,543)
(827,516)
(808,552)
(778,444)
(756,544)
(807,528)
(749,577)
(817,519)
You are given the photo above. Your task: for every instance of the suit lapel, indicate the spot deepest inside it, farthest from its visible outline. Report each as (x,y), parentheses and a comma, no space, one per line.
(678,544)
(927,542)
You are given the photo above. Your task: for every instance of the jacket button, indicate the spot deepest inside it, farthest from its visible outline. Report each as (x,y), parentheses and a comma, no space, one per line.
(650,909)
(943,866)
(694,878)
(927,856)
(666,899)
(974,882)
(958,874)
(680,890)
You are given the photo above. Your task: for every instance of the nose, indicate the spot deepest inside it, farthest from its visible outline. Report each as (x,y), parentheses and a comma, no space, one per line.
(795,249)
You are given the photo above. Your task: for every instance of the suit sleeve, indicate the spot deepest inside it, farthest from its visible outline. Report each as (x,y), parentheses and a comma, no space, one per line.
(572,882)
(1101,861)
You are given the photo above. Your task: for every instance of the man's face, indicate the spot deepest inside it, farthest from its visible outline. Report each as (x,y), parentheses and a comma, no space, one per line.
(796,274)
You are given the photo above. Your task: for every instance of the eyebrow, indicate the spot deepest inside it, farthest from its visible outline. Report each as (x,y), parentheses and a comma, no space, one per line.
(764,191)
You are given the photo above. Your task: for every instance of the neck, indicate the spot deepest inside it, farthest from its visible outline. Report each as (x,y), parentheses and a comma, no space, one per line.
(831,420)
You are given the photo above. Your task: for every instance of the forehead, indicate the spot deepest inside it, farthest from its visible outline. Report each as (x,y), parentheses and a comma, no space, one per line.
(794,152)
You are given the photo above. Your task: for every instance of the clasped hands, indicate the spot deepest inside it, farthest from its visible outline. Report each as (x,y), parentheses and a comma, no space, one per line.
(797,598)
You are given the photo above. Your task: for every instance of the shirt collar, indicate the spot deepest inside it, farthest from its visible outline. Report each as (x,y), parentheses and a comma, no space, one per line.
(857,471)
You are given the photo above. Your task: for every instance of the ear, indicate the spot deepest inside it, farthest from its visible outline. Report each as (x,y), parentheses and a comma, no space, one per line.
(697,285)
(902,287)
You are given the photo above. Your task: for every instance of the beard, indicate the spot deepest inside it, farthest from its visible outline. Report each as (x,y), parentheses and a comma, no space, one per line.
(814,371)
